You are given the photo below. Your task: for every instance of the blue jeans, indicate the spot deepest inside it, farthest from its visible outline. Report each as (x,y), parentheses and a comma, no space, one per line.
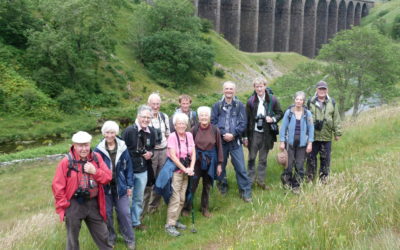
(139,184)
(243,180)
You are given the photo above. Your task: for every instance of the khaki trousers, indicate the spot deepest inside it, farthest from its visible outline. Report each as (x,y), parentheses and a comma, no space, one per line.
(177,200)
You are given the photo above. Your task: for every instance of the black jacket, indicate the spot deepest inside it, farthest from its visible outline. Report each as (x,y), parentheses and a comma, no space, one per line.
(251,110)
(131,137)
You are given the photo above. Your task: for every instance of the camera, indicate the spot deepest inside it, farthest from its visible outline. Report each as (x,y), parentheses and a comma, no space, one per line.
(185,161)
(274,128)
(82,195)
(260,119)
(140,151)
(158,135)
(318,125)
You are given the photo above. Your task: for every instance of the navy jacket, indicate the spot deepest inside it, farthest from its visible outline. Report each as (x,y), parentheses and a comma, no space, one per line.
(124,169)
(163,185)
(237,121)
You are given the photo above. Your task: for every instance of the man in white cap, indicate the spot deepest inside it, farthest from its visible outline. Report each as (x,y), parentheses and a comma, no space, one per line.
(79,194)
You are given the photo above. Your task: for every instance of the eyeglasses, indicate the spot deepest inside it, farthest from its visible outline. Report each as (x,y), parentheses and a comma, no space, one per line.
(146,117)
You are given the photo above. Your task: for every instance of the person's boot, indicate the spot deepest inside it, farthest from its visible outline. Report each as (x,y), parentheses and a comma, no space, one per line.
(185,213)
(223,188)
(263,186)
(206,213)
(296,190)
(285,181)
(171,230)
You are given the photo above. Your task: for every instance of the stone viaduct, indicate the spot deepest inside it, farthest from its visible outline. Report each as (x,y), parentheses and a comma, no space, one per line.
(300,26)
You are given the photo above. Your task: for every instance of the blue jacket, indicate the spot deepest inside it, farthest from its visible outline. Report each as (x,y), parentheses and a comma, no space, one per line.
(124,168)
(163,184)
(289,125)
(237,121)
(211,166)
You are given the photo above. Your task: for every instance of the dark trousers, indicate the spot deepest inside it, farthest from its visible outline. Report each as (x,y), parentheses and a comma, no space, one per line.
(296,157)
(89,212)
(323,148)
(257,145)
(205,194)
(123,215)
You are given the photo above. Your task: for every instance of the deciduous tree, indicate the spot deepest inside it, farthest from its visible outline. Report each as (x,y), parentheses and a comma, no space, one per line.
(366,59)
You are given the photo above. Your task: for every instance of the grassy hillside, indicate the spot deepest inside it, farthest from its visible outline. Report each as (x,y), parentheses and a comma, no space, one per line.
(383,15)
(357,209)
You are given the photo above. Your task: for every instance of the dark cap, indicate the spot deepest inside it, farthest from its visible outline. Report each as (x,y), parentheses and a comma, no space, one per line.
(322,85)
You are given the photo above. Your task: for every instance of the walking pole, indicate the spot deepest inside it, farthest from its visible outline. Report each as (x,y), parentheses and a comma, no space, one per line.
(191,197)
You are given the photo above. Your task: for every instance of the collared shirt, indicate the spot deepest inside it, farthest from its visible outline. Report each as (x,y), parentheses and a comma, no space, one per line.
(260,111)
(147,130)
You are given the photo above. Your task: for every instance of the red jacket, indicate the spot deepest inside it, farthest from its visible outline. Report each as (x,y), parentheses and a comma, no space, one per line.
(64,187)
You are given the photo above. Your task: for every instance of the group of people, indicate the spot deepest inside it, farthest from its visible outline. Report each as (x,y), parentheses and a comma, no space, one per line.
(161,157)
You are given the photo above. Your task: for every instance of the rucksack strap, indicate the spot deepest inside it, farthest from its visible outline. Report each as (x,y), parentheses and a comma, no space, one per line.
(72,163)
(163,119)
(270,104)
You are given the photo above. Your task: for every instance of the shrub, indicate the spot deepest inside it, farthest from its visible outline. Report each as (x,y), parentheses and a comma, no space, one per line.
(396,28)
(219,73)
(206,25)
(166,36)
(175,58)
(68,101)
(382,13)
(21,97)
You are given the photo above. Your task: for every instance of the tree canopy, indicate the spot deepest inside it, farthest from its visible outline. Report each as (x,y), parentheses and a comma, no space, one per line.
(167,39)
(364,63)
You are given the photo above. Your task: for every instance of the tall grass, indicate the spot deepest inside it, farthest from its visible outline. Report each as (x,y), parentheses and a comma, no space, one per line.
(357,209)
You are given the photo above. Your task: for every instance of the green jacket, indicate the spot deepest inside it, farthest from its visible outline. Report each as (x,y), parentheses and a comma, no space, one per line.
(329,113)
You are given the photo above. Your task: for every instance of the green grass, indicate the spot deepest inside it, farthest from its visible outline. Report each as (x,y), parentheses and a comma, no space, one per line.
(358,209)
(386,11)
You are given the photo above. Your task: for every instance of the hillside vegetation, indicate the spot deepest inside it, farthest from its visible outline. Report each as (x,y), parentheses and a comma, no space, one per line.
(383,16)
(115,81)
(357,209)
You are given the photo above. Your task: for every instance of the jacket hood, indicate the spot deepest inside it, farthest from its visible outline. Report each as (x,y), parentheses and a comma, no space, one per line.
(121,147)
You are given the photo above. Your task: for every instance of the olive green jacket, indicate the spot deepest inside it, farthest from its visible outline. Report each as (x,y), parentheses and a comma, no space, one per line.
(329,113)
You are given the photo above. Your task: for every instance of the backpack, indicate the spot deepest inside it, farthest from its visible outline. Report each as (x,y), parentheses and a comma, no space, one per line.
(72,162)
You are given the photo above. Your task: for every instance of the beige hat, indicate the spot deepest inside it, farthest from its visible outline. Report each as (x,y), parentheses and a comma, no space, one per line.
(81,137)
(282,158)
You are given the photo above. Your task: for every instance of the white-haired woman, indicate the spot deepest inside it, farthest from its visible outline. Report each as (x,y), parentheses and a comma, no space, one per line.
(209,158)
(115,154)
(297,135)
(182,153)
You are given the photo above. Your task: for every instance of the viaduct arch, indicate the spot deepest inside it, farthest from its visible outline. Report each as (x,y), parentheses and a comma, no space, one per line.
(301,26)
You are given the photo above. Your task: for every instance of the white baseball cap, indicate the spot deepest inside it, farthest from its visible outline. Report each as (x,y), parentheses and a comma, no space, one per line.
(81,137)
